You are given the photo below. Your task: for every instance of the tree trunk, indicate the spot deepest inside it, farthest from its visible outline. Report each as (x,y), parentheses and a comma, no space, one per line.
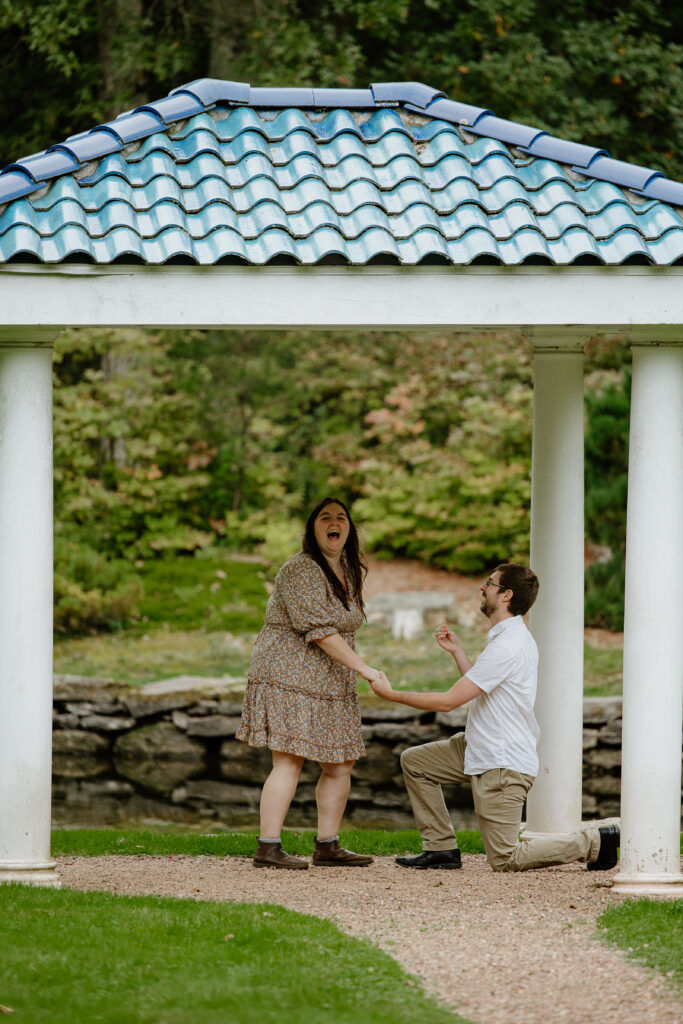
(122,37)
(230,20)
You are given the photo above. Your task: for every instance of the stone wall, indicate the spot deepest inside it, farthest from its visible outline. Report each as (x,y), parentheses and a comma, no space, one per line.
(124,755)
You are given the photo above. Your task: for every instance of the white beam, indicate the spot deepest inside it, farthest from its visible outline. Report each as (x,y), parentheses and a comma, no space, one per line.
(556,619)
(653,638)
(615,299)
(26,609)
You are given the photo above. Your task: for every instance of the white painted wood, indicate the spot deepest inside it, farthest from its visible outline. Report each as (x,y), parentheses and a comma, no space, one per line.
(556,619)
(26,610)
(653,637)
(484,298)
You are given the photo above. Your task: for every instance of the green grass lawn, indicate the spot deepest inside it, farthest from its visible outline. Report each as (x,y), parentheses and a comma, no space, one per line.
(650,931)
(94,957)
(98,842)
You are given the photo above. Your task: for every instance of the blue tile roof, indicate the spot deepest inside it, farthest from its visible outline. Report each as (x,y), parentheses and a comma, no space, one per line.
(224,172)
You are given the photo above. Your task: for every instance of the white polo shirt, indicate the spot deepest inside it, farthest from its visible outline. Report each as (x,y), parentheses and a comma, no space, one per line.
(502,731)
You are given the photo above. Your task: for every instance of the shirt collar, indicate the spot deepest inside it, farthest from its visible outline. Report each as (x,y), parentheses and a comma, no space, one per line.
(503,626)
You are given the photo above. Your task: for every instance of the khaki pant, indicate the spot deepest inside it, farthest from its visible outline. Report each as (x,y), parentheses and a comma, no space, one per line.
(499,796)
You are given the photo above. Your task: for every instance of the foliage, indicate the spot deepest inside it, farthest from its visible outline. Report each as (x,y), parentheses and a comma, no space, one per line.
(100,842)
(91,593)
(604,74)
(75,956)
(650,931)
(606,491)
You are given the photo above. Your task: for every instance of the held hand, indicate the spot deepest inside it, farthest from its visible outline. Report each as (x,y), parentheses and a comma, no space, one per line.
(370,674)
(381,686)
(447,639)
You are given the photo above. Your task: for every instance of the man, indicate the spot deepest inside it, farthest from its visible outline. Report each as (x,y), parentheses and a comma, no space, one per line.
(497,752)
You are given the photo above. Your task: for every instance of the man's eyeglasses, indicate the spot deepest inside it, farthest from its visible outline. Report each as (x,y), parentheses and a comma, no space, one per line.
(492,583)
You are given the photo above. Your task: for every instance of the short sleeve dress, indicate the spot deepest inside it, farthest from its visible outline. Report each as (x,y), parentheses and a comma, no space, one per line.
(299,700)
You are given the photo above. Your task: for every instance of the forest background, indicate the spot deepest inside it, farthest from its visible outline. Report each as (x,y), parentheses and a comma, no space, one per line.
(169,443)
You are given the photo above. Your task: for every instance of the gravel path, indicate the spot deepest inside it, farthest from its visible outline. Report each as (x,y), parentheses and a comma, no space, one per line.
(501,949)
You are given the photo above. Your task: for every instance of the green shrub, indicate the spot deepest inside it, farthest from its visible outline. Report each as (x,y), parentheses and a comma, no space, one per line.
(605,594)
(91,592)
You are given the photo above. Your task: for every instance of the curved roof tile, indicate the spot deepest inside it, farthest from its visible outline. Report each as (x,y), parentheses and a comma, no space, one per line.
(223,172)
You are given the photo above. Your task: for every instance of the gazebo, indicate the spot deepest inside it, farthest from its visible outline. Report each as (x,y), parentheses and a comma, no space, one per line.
(225,205)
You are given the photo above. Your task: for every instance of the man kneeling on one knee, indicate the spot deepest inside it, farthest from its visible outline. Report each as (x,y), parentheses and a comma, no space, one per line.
(497,752)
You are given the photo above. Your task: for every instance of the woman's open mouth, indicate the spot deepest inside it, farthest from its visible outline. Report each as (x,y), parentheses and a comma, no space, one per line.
(334,534)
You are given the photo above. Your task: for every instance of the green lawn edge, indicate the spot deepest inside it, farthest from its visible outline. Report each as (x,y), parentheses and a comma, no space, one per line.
(98,957)
(102,842)
(649,931)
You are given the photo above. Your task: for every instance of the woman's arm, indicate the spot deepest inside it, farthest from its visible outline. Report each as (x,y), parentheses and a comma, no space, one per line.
(340,651)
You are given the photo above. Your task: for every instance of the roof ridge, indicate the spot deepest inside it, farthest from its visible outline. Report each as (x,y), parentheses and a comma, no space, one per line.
(31,173)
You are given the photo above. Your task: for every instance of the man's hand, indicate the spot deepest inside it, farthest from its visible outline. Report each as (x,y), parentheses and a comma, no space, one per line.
(381,686)
(448,640)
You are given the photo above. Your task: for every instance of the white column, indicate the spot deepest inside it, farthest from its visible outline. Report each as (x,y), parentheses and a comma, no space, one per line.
(26,608)
(556,619)
(653,635)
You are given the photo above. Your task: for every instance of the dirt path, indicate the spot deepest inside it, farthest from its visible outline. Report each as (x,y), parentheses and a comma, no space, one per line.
(501,949)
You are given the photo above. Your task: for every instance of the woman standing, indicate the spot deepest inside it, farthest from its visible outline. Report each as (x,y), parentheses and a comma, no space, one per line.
(301,698)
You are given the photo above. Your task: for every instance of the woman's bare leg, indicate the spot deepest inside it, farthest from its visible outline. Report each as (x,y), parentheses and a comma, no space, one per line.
(331,795)
(277,792)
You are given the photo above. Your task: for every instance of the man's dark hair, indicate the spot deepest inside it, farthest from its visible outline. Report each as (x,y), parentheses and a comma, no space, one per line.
(522,582)
(355,566)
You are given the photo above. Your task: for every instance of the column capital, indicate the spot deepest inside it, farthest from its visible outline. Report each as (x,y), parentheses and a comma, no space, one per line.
(27,337)
(571,340)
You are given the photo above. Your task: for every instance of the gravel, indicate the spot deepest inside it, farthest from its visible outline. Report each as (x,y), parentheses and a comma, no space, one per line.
(500,949)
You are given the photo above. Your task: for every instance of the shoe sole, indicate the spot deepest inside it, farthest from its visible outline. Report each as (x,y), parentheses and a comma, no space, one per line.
(431,867)
(280,867)
(340,864)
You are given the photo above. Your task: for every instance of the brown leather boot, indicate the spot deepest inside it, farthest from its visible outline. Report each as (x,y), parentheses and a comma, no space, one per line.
(271,855)
(331,854)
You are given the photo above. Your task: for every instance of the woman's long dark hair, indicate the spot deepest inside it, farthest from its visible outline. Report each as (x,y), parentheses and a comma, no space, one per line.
(356,567)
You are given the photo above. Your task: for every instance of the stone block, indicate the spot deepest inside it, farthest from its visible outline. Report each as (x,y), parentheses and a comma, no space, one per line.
(158,741)
(107,723)
(160,776)
(222,792)
(180,719)
(589,805)
(213,726)
(76,742)
(610,735)
(455,720)
(196,685)
(78,766)
(241,763)
(378,766)
(590,739)
(601,710)
(363,816)
(606,758)
(406,734)
(386,712)
(603,785)
(107,787)
(65,721)
(153,707)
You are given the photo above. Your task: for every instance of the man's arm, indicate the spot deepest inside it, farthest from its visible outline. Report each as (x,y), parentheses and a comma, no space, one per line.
(461,693)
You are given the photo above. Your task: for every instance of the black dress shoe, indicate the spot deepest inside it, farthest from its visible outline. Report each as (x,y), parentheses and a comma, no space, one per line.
(445,859)
(607,855)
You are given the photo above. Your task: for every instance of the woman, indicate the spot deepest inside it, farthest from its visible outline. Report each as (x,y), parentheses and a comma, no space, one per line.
(301,699)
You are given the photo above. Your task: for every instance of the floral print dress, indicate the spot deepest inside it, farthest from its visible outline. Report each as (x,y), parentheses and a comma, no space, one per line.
(299,700)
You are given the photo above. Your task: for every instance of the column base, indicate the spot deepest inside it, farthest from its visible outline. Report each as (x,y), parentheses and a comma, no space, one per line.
(41,873)
(638,884)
